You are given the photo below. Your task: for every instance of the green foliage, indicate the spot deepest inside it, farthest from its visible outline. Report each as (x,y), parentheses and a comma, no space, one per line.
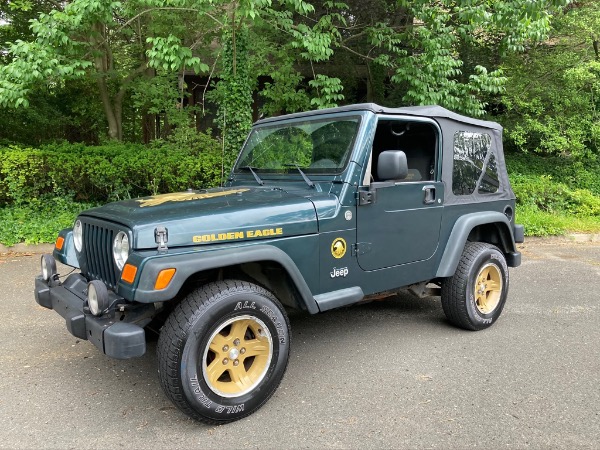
(233,93)
(542,223)
(41,190)
(545,194)
(38,221)
(575,173)
(54,54)
(157,94)
(169,54)
(108,42)
(110,172)
(117,44)
(426,53)
(65,111)
(432,52)
(561,79)
(258,44)
(21,178)
(555,194)
(283,93)
(328,91)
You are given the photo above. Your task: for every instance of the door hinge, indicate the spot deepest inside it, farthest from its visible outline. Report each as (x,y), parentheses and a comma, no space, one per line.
(361,248)
(366,197)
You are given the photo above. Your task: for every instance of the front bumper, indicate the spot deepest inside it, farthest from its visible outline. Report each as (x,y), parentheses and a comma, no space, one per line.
(114,337)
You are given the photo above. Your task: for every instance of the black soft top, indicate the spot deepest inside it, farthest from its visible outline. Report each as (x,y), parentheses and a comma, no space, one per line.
(450,123)
(432,111)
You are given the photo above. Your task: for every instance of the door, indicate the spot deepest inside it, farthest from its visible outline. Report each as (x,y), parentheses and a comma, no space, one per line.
(401,224)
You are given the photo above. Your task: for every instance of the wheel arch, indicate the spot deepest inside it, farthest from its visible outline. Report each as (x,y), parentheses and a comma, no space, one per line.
(250,263)
(490,227)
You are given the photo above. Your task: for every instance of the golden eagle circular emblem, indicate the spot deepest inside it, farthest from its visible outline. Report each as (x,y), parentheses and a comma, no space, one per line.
(338,247)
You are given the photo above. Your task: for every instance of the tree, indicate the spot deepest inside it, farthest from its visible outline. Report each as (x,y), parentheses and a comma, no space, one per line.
(561,79)
(413,52)
(105,41)
(116,43)
(64,110)
(15,17)
(423,45)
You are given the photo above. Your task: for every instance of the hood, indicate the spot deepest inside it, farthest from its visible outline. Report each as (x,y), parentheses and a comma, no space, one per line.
(213,216)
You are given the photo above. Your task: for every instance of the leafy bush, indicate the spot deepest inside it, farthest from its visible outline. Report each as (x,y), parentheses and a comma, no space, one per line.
(573,172)
(110,172)
(43,189)
(541,223)
(39,221)
(555,194)
(547,195)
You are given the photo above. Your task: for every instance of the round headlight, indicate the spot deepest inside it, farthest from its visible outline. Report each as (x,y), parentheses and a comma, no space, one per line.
(121,249)
(97,297)
(78,235)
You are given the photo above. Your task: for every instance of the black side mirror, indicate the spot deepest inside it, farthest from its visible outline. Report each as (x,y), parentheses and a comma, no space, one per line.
(392,165)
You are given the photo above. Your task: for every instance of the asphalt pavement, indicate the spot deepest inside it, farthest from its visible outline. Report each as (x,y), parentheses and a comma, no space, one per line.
(387,374)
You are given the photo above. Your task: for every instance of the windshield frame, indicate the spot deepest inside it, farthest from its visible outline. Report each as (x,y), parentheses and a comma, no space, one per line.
(290,170)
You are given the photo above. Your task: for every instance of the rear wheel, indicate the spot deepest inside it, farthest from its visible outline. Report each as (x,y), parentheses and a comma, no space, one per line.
(474,297)
(223,351)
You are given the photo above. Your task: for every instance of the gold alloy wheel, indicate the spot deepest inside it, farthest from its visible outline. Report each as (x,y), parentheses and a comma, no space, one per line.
(488,288)
(237,356)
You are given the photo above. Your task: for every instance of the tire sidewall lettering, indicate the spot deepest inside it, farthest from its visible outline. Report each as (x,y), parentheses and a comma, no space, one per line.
(195,387)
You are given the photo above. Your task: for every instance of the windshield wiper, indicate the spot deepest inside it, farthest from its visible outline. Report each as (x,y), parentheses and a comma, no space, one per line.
(308,181)
(256,177)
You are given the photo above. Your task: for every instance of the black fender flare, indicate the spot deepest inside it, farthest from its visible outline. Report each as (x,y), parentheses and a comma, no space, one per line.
(460,233)
(188,264)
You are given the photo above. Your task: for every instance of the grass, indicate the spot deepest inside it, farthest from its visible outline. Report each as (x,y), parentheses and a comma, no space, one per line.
(542,223)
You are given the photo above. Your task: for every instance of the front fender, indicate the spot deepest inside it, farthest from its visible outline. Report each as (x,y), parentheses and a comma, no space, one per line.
(460,233)
(188,264)
(67,254)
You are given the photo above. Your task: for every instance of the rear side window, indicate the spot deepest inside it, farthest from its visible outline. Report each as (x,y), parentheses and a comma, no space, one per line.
(475,165)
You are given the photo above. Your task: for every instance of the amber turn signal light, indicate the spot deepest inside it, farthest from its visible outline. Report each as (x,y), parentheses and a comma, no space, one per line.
(128,273)
(60,241)
(164,278)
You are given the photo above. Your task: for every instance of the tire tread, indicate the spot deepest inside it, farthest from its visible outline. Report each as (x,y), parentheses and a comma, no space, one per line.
(174,333)
(454,288)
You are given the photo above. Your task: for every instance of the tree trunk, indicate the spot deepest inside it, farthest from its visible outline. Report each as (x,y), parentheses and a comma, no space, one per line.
(114,125)
(102,65)
(118,111)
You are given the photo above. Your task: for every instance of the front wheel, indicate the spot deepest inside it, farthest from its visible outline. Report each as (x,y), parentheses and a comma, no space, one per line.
(223,351)
(474,297)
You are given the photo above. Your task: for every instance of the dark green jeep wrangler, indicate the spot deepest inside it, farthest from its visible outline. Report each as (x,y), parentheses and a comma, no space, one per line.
(322,210)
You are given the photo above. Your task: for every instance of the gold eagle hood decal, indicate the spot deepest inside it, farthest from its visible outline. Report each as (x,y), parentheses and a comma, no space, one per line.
(185,196)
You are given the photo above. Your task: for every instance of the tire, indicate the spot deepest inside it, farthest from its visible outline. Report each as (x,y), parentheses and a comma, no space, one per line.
(473,298)
(223,351)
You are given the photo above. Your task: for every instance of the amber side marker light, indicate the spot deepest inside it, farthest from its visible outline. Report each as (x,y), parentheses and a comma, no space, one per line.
(128,273)
(164,278)
(60,241)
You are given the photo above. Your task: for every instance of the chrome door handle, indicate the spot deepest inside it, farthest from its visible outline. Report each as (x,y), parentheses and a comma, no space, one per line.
(429,191)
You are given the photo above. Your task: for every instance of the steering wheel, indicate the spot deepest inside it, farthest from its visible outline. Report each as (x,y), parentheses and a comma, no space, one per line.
(324,164)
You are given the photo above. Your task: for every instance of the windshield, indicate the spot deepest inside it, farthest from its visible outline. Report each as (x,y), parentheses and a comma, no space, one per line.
(315,146)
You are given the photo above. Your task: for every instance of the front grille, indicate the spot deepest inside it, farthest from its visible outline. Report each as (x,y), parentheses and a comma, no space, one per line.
(98,254)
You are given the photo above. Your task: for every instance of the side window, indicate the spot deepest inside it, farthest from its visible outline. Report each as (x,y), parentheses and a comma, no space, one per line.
(419,142)
(470,169)
(489,183)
